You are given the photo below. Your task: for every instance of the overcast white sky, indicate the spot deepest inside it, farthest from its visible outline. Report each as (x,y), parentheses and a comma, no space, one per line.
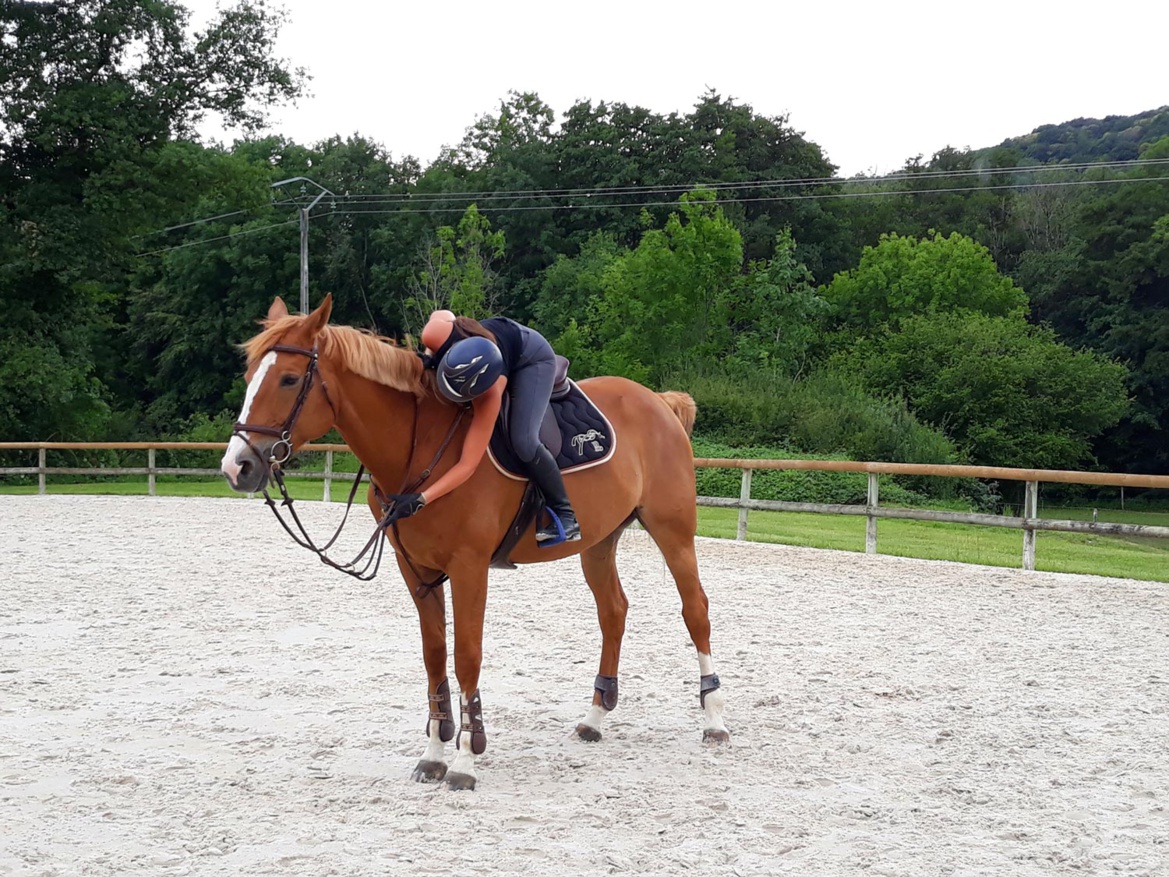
(873,83)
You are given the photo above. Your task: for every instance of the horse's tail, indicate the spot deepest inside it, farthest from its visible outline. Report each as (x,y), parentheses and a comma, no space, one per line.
(682,404)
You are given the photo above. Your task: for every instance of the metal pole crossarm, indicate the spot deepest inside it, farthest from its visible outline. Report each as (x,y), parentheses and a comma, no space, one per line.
(304,218)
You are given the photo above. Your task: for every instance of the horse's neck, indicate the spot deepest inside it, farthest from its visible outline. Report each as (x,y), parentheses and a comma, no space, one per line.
(377,423)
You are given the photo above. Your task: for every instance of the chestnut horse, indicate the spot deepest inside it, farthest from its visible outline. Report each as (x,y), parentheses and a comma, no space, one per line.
(306,377)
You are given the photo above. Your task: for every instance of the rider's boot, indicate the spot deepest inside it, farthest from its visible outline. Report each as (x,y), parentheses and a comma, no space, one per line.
(546,475)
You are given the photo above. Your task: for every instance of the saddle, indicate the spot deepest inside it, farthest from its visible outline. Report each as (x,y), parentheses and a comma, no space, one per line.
(574,430)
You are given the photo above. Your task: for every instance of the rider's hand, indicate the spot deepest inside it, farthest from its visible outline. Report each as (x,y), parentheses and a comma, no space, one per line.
(405,505)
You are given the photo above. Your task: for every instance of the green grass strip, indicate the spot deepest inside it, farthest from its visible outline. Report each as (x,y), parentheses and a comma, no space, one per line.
(1132,558)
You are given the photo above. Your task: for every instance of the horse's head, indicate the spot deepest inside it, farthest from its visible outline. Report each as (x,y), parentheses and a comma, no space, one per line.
(287,402)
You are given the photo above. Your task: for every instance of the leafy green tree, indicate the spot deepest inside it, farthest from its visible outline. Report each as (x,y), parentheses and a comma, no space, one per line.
(553,188)
(509,154)
(1108,289)
(1112,138)
(667,299)
(903,276)
(976,193)
(568,307)
(719,141)
(92,94)
(191,303)
(1007,392)
(731,143)
(44,393)
(573,287)
(776,312)
(362,246)
(457,272)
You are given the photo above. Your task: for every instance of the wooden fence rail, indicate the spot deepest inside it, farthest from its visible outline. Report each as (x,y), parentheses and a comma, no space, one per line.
(1029,522)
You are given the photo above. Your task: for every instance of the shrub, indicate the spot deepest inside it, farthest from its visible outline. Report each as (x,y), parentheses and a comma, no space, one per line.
(826,413)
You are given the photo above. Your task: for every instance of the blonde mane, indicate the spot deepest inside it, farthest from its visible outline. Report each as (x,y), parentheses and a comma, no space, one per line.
(362,352)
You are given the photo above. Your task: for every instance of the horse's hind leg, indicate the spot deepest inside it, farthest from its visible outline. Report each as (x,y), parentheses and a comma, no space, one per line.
(674,535)
(600,570)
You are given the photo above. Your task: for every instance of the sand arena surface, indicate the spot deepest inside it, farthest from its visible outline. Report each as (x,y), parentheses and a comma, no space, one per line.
(182,691)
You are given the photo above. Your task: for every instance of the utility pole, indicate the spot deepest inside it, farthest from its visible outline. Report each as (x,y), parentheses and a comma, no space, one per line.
(305,182)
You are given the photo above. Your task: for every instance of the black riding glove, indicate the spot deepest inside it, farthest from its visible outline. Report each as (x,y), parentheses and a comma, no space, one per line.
(405,505)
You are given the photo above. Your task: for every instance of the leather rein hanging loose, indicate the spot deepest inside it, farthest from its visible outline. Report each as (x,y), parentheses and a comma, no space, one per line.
(375,545)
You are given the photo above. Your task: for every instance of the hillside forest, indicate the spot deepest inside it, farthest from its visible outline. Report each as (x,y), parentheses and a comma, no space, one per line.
(1005,306)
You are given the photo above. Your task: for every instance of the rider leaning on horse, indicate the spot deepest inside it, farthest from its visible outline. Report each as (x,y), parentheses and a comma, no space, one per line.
(476,363)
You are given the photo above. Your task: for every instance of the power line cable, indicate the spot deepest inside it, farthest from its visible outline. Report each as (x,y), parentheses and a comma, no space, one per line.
(207,219)
(794,197)
(407,200)
(234,234)
(423,197)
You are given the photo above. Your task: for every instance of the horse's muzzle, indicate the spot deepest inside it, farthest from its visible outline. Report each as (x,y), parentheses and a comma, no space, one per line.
(245,465)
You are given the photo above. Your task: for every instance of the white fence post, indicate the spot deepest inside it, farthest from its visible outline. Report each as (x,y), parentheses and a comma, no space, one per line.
(1030,513)
(42,465)
(870,518)
(150,485)
(744,495)
(328,494)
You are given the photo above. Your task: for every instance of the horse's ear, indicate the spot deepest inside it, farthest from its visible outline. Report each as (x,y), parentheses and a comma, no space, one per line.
(278,310)
(319,318)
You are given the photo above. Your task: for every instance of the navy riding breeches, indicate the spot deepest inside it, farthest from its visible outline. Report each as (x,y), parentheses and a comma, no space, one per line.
(530,387)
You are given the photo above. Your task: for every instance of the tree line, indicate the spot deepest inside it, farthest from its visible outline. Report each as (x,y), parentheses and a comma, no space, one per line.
(978,306)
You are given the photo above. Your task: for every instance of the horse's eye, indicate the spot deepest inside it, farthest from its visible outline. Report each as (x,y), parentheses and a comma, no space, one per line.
(289,381)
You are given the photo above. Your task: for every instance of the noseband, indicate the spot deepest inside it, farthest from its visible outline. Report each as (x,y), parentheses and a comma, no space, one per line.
(283,434)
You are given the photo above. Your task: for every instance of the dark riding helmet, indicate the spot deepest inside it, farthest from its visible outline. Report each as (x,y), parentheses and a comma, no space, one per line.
(469,368)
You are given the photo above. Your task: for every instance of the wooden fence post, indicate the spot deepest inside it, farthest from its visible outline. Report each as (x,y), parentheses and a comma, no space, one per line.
(328,494)
(1030,513)
(150,485)
(744,495)
(870,518)
(42,465)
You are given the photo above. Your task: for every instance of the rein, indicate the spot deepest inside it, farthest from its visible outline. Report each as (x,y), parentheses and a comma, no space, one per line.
(375,545)
(424,588)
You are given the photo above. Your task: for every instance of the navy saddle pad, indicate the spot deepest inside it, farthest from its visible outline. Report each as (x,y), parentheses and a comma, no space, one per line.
(574,430)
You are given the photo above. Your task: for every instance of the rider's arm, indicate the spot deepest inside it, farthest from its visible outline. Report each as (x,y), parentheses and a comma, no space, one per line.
(486,410)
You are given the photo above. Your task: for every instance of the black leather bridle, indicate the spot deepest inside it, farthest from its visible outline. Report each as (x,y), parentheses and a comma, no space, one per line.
(283,434)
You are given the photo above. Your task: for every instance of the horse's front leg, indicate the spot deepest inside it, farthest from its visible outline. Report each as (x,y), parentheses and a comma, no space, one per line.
(469,601)
(440,722)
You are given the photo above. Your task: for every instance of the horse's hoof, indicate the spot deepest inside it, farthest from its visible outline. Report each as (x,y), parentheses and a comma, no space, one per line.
(460,782)
(428,772)
(716,737)
(588,733)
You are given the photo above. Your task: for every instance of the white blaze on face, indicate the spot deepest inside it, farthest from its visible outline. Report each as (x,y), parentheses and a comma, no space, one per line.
(229,465)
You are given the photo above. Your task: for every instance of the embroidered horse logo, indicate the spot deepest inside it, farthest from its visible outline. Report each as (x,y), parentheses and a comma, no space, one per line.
(579,440)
